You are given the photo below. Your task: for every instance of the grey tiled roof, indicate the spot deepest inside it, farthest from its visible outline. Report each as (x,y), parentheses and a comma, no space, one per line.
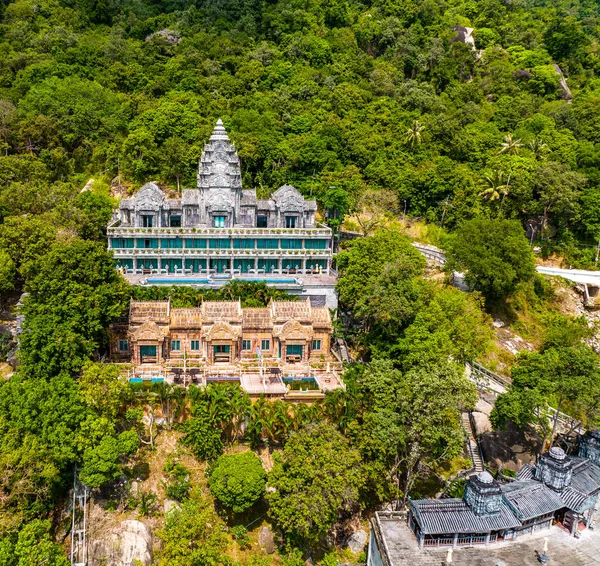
(526,472)
(449,516)
(586,476)
(575,500)
(530,498)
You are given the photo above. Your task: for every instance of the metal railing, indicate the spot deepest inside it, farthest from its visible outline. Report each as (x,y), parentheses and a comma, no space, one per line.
(431,253)
(191,232)
(226,252)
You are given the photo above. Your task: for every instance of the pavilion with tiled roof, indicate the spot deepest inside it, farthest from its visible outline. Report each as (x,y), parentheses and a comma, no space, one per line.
(559,488)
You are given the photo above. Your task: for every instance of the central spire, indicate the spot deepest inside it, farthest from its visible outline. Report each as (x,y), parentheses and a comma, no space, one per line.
(219,166)
(219,133)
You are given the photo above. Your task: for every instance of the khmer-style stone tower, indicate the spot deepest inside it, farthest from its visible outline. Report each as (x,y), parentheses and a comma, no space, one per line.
(589,446)
(483,494)
(554,469)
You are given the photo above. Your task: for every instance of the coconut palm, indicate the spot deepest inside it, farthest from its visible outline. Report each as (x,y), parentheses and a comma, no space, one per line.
(496,188)
(510,146)
(414,134)
(538,147)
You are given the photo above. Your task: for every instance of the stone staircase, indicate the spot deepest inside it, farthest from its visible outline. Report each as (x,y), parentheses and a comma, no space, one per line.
(473,446)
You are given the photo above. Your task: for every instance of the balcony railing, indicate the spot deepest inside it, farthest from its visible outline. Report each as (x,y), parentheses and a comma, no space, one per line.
(189,232)
(225,253)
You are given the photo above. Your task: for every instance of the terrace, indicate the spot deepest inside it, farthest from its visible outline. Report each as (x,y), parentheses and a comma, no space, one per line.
(273,378)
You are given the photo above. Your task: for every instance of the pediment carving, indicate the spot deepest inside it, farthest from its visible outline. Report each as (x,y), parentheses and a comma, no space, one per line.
(223,331)
(148,330)
(293,330)
(219,201)
(289,199)
(149,197)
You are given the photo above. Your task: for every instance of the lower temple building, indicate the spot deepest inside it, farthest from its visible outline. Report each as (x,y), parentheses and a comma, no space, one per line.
(220,340)
(559,489)
(222,332)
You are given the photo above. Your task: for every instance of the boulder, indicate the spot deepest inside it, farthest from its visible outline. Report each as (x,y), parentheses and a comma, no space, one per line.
(481,423)
(171,505)
(129,544)
(356,541)
(266,540)
(483,407)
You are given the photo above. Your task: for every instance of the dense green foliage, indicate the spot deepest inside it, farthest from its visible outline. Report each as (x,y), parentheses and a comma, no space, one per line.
(237,481)
(250,293)
(494,255)
(364,104)
(564,375)
(391,310)
(372,107)
(315,479)
(193,535)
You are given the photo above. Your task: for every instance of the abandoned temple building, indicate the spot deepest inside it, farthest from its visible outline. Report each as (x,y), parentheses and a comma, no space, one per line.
(218,227)
(281,351)
(560,490)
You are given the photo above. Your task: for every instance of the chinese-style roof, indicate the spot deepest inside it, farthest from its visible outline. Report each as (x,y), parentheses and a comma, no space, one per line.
(282,311)
(586,476)
(156,311)
(526,472)
(257,318)
(449,516)
(575,500)
(530,498)
(186,318)
(221,310)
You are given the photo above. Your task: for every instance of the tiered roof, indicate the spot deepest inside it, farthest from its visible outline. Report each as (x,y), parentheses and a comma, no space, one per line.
(282,311)
(186,318)
(213,311)
(257,318)
(278,312)
(155,311)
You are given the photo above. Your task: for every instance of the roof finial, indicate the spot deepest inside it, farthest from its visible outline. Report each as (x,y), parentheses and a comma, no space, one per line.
(219,122)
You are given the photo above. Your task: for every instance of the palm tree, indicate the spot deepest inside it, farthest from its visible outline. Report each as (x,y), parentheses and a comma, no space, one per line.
(414,134)
(510,146)
(496,188)
(304,414)
(538,147)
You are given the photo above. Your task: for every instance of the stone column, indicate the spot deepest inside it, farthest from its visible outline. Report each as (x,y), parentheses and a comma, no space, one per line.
(421,539)
(487,538)
(455,540)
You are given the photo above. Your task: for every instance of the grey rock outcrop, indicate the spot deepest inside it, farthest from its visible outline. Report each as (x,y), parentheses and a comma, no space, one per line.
(483,407)
(266,540)
(481,423)
(562,85)
(126,545)
(356,541)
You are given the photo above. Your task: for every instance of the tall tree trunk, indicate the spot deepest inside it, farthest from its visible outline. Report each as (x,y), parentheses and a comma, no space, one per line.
(555,423)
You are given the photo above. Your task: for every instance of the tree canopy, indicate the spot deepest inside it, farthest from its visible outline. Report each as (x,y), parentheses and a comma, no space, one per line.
(315,478)
(494,255)
(237,481)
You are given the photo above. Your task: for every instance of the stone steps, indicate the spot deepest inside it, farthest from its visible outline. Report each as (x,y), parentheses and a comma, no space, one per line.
(473,446)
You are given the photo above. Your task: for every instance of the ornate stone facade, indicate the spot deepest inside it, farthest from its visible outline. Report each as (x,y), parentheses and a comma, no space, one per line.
(223,332)
(219,226)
